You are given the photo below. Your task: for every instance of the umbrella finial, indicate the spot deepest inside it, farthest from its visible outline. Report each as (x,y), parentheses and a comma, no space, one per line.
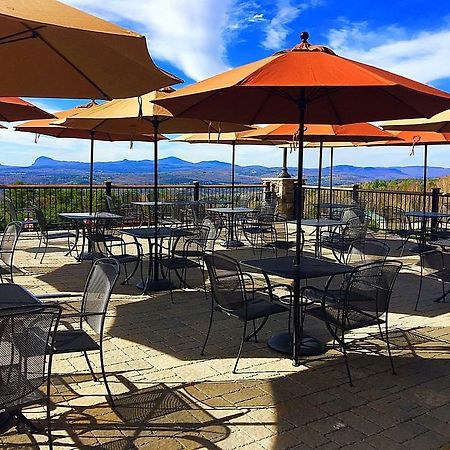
(304,36)
(306,46)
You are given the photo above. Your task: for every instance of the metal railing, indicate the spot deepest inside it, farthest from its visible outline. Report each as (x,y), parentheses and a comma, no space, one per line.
(55,199)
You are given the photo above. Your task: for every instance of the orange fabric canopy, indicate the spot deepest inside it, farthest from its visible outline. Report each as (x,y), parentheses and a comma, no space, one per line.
(415,138)
(237,138)
(358,132)
(439,123)
(138,115)
(48,128)
(333,90)
(13,109)
(49,49)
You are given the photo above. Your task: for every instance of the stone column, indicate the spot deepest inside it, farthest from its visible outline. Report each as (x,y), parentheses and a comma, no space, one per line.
(284,191)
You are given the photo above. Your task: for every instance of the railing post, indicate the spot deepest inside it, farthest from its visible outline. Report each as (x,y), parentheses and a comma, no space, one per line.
(435,194)
(355,196)
(196,194)
(108,188)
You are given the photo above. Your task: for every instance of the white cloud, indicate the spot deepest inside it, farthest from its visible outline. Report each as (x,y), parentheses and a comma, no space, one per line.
(422,56)
(188,34)
(277,29)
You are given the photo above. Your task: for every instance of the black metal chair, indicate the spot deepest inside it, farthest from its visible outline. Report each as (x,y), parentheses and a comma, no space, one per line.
(362,300)
(50,232)
(27,214)
(362,251)
(437,262)
(130,214)
(8,247)
(340,239)
(105,244)
(397,223)
(234,292)
(186,252)
(94,304)
(26,352)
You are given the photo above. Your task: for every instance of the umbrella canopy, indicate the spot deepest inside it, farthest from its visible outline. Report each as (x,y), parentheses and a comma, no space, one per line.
(13,109)
(141,115)
(230,138)
(49,49)
(46,127)
(358,132)
(439,123)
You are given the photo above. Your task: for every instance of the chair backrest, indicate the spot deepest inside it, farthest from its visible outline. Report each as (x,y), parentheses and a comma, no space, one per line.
(198,212)
(227,282)
(213,233)
(366,250)
(354,230)
(111,205)
(352,213)
(369,287)
(26,342)
(97,292)
(9,241)
(395,218)
(42,221)
(12,210)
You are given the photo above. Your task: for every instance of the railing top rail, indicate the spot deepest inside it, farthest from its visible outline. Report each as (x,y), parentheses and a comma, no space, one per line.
(46,186)
(386,191)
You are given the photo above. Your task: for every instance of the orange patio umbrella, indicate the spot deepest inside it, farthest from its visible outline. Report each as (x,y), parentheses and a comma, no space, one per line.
(357,132)
(140,115)
(308,84)
(13,109)
(439,123)
(46,127)
(230,138)
(49,49)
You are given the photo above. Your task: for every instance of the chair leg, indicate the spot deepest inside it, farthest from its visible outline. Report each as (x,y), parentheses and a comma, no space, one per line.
(420,288)
(49,420)
(389,348)
(102,364)
(240,346)
(128,277)
(44,252)
(39,247)
(347,365)
(209,327)
(86,357)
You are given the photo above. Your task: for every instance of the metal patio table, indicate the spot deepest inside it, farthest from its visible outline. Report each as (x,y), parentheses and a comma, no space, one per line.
(230,214)
(424,216)
(154,282)
(318,224)
(285,267)
(79,218)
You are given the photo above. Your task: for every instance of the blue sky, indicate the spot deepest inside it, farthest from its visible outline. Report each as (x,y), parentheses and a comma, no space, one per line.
(195,39)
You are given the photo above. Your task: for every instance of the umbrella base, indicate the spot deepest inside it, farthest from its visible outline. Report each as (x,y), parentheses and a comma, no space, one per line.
(282,343)
(161,284)
(232,244)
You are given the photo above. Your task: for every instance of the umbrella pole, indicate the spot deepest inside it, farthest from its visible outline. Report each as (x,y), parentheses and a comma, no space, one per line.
(331,179)
(91,173)
(319,187)
(233,163)
(425,164)
(297,335)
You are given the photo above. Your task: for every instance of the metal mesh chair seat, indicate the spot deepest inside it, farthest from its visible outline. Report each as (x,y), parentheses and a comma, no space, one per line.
(60,235)
(354,318)
(74,340)
(179,263)
(257,308)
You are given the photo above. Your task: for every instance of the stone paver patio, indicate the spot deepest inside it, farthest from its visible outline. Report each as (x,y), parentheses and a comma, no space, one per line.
(170,397)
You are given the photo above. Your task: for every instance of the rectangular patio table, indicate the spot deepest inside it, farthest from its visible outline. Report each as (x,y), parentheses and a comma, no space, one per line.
(285,267)
(154,283)
(321,223)
(16,295)
(79,219)
(230,214)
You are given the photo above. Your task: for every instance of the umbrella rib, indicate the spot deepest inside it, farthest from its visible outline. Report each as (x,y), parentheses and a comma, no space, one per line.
(420,113)
(11,38)
(262,104)
(62,56)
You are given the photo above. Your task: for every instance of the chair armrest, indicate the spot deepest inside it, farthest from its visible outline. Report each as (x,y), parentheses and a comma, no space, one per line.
(57,295)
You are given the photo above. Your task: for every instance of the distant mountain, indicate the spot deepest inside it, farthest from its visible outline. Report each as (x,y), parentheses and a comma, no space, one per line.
(174,170)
